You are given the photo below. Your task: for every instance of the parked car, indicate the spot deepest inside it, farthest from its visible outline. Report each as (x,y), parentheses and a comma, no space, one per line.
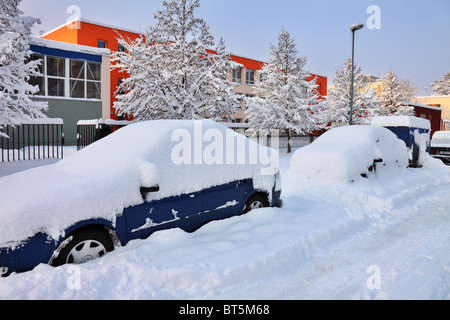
(146,177)
(349,154)
(414,131)
(440,146)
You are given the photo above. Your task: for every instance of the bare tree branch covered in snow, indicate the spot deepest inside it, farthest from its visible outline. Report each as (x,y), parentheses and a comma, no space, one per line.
(395,94)
(365,100)
(15,70)
(172,75)
(442,86)
(284,99)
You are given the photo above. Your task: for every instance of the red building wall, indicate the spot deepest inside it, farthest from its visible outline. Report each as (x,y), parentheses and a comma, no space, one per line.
(433,114)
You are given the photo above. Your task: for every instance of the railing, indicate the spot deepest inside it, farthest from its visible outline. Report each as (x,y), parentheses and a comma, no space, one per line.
(32,140)
(89,131)
(274,141)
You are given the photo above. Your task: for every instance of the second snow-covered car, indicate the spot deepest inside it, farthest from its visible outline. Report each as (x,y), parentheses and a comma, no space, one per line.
(440,146)
(349,154)
(143,178)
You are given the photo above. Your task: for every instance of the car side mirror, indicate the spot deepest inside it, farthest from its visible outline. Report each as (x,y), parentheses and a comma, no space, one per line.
(146,190)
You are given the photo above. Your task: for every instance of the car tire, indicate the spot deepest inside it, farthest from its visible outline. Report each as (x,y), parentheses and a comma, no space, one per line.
(255,202)
(84,246)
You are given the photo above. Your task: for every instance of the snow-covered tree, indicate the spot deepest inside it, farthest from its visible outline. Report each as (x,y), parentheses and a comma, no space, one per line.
(395,94)
(284,99)
(442,86)
(170,72)
(365,101)
(15,70)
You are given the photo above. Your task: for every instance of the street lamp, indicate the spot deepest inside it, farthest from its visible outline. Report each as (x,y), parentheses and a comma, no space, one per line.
(353,29)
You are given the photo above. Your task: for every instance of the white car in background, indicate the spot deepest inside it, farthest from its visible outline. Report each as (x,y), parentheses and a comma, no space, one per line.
(440,146)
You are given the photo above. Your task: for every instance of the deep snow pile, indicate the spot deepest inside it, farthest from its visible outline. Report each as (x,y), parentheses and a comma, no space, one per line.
(319,245)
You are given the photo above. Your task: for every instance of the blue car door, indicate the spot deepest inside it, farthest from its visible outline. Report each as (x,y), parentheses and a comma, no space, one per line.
(172,212)
(226,200)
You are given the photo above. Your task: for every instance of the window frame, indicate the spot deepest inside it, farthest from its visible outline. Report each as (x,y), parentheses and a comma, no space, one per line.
(250,77)
(70,80)
(99,41)
(236,75)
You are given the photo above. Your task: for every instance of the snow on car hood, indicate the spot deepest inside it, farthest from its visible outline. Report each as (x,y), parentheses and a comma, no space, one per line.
(104,178)
(344,153)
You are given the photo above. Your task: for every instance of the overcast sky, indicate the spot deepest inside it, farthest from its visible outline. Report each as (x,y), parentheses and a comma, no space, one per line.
(413,39)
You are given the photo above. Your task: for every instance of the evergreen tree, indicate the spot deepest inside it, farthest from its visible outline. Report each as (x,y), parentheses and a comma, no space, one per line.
(442,86)
(15,36)
(171,73)
(284,100)
(394,96)
(365,101)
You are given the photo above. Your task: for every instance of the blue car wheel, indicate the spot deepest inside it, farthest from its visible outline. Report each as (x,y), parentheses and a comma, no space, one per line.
(84,246)
(255,202)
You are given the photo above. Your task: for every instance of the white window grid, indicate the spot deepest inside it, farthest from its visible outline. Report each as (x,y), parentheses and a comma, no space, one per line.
(67,79)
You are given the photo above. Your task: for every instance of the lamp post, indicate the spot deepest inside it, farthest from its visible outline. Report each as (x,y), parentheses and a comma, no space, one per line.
(353,29)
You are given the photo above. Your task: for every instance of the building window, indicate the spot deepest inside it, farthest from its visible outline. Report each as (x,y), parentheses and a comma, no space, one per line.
(250,76)
(237,75)
(56,67)
(85,79)
(94,80)
(120,48)
(77,76)
(101,44)
(56,73)
(56,87)
(63,77)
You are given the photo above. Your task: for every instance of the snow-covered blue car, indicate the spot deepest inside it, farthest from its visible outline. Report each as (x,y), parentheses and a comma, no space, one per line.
(143,178)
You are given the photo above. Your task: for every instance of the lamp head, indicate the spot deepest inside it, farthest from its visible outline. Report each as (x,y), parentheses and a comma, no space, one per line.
(356,27)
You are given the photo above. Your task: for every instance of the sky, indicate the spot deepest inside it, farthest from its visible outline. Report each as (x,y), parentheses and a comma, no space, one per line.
(411,37)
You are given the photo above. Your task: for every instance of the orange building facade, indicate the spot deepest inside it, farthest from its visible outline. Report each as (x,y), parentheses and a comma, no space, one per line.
(94,34)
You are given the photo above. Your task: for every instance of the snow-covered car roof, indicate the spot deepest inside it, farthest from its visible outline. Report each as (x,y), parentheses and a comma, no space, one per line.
(401,121)
(104,178)
(344,153)
(441,139)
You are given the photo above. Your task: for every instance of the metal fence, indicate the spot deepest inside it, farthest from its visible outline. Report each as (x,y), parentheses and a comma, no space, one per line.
(274,141)
(89,131)
(37,139)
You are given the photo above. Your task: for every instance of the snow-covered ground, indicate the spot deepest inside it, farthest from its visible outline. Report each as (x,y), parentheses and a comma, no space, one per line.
(385,237)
